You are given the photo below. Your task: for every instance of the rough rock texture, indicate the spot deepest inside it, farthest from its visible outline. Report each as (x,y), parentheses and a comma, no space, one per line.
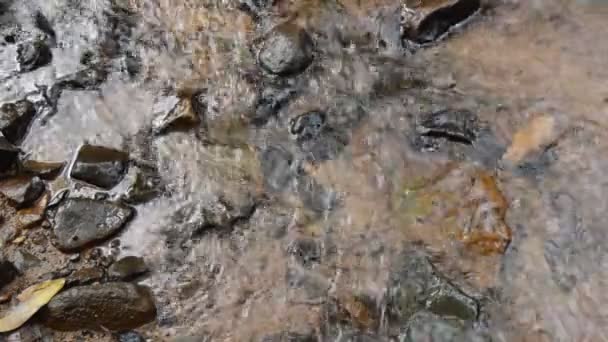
(286,51)
(23,191)
(113,306)
(80,222)
(15,118)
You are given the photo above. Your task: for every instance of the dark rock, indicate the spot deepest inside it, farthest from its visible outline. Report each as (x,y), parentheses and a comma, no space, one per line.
(127,268)
(33,55)
(269,103)
(44,170)
(315,196)
(287,50)
(85,276)
(80,222)
(289,337)
(15,119)
(430,22)
(24,260)
(100,166)
(425,326)
(306,251)
(255,8)
(307,126)
(460,126)
(87,79)
(43,24)
(414,284)
(8,273)
(111,306)
(130,336)
(22,190)
(9,155)
(198,102)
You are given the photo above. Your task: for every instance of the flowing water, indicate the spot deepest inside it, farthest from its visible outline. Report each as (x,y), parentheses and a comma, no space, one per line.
(323,177)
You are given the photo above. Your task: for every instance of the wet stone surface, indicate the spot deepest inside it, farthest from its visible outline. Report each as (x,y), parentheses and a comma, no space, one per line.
(287,50)
(100,166)
(127,268)
(15,119)
(80,222)
(113,306)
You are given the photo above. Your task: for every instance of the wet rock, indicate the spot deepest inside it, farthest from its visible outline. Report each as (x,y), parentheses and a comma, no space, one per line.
(8,273)
(146,185)
(24,260)
(127,268)
(101,166)
(431,20)
(22,190)
(130,336)
(8,155)
(307,126)
(287,50)
(112,306)
(33,55)
(269,103)
(85,276)
(198,103)
(80,222)
(181,117)
(289,337)
(306,251)
(15,119)
(44,170)
(273,219)
(415,285)
(455,125)
(226,211)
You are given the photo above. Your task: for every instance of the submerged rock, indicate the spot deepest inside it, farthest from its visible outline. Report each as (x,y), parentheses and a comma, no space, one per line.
(269,103)
(101,166)
(415,285)
(432,19)
(33,55)
(426,326)
(130,336)
(15,119)
(289,337)
(455,125)
(127,268)
(307,126)
(112,306)
(22,190)
(287,50)
(80,222)
(44,170)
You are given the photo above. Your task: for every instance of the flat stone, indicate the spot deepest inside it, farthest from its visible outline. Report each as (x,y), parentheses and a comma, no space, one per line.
(44,170)
(101,166)
(127,268)
(112,306)
(24,260)
(80,222)
(15,119)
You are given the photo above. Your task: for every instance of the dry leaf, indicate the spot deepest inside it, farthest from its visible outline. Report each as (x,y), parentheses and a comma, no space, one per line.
(30,301)
(538,133)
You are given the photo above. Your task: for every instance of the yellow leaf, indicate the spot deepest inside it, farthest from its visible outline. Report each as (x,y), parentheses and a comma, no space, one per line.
(30,301)
(538,133)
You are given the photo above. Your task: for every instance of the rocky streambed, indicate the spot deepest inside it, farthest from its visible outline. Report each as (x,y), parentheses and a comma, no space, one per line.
(304,170)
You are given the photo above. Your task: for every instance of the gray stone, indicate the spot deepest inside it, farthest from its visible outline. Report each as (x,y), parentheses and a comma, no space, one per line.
(127,268)
(22,190)
(80,222)
(287,50)
(33,55)
(101,166)
(112,306)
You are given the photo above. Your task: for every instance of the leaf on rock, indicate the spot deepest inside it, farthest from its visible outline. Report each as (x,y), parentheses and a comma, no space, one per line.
(30,301)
